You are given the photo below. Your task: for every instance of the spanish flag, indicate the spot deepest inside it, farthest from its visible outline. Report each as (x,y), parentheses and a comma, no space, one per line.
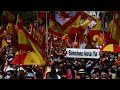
(10,29)
(66,40)
(22,42)
(94,33)
(54,28)
(36,47)
(4,43)
(100,39)
(2,35)
(115,30)
(41,16)
(85,15)
(36,34)
(64,14)
(67,26)
(9,16)
(96,29)
(111,35)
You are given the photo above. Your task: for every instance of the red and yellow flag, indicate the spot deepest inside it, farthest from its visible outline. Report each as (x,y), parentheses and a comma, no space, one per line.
(36,33)
(36,47)
(2,35)
(41,15)
(9,16)
(112,33)
(4,43)
(99,39)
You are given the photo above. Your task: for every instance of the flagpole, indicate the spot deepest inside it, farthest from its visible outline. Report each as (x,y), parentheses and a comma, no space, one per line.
(112,25)
(51,47)
(3,19)
(75,39)
(18,50)
(46,34)
(37,18)
(103,27)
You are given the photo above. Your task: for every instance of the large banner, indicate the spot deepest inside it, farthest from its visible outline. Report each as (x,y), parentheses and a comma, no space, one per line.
(82,53)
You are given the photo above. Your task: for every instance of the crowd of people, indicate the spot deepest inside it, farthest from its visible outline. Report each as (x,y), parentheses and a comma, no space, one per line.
(66,68)
(62,67)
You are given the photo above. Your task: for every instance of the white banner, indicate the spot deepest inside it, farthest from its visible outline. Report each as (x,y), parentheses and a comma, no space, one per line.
(82,53)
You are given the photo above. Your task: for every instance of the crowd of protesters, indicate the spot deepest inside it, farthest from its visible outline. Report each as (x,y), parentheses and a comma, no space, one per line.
(62,67)
(65,68)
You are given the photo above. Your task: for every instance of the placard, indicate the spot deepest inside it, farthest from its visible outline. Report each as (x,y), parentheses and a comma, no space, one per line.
(82,53)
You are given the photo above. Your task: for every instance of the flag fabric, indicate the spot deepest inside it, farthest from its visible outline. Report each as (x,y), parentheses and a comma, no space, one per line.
(36,47)
(64,14)
(66,40)
(36,51)
(99,39)
(10,29)
(36,33)
(111,32)
(64,29)
(19,21)
(2,32)
(67,26)
(115,29)
(9,16)
(2,35)
(94,33)
(21,42)
(54,28)
(28,58)
(75,27)
(85,15)
(4,43)
(96,29)
(41,16)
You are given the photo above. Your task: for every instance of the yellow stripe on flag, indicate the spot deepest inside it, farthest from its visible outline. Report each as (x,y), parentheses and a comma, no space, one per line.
(4,43)
(77,22)
(21,37)
(98,26)
(33,59)
(108,48)
(36,51)
(85,24)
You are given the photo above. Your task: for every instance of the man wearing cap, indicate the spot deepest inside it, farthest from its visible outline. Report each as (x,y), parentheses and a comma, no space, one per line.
(82,74)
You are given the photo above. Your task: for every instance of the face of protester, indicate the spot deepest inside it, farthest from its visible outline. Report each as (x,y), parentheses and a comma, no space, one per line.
(93,76)
(1,75)
(8,75)
(77,77)
(83,76)
(61,65)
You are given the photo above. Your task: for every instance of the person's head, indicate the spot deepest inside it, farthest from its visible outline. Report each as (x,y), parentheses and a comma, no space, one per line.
(21,74)
(48,75)
(103,75)
(82,73)
(8,75)
(93,76)
(77,77)
(29,76)
(1,75)
(14,66)
(64,76)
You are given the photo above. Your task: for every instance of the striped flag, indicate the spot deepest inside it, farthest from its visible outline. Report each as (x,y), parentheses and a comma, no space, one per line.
(9,16)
